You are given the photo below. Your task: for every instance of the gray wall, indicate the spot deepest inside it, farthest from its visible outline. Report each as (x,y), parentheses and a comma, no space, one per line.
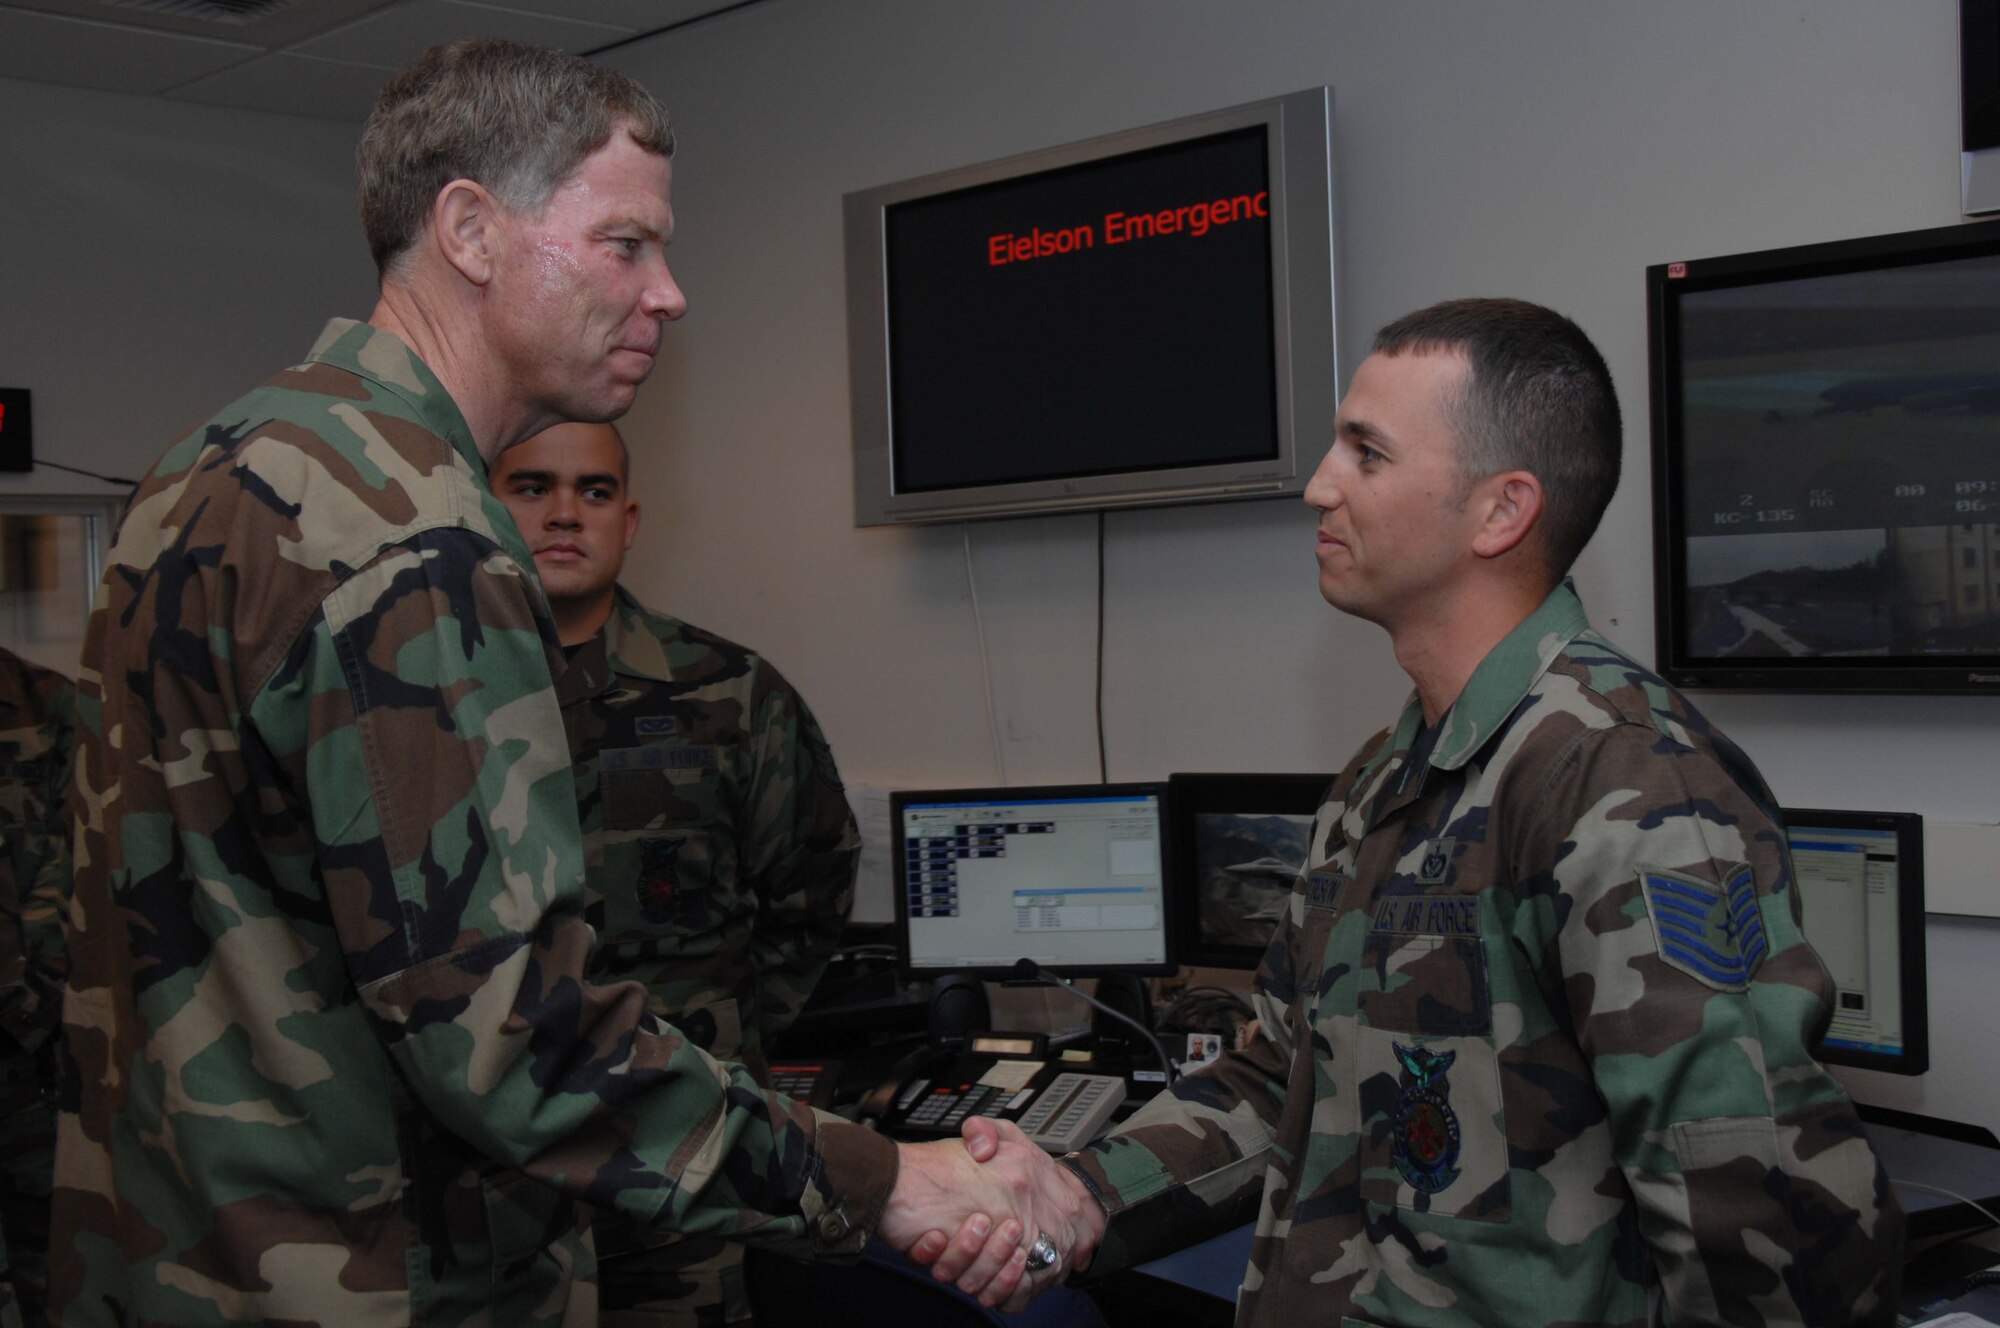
(158,258)
(1549,150)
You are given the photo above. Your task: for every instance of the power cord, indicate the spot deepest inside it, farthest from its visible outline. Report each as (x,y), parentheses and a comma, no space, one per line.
(1973,1204)
(1026,971)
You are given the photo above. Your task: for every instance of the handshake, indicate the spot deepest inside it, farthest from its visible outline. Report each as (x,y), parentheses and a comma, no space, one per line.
(994,1214)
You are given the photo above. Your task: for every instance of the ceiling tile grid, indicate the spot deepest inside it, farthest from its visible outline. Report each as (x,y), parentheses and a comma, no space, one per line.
(321,58)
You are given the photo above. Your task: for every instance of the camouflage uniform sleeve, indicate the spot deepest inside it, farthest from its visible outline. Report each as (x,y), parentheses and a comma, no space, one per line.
(800,850)
(446,829)
(1759,1196)
(1191,1163)
(31,1004)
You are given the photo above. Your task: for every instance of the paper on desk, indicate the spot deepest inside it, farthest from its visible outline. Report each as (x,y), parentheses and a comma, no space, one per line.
(874,887)
(1958,1321)
(1011,1074)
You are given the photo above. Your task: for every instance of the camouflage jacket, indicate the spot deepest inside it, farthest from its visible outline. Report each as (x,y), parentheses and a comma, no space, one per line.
(37,737)
(719,852)
(1507,1082)
(334,1057)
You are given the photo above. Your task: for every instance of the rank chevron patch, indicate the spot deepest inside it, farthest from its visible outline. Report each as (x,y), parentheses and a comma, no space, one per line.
(1713,933)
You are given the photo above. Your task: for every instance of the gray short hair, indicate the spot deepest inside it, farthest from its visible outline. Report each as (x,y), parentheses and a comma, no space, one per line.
(516,118)
(1539,398)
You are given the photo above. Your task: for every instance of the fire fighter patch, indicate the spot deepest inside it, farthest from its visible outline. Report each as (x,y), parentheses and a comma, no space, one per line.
(1424,1139)
(658,863)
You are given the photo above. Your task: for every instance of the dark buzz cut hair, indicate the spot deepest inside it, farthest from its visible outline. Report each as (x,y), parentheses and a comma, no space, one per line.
(516,118)
(1539,398)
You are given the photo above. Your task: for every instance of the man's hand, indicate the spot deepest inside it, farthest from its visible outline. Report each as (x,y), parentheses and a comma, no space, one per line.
(1059,1209)
(939,1187)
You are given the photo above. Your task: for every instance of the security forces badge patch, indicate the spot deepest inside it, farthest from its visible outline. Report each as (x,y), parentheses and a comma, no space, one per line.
(1713,933)
(1424,1139)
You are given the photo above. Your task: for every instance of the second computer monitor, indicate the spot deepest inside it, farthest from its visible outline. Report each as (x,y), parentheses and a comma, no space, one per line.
(1072,878)
(1239,844)
(1860,879)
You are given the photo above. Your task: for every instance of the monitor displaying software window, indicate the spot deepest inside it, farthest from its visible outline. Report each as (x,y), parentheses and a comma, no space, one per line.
(1860,882)
(1071,877)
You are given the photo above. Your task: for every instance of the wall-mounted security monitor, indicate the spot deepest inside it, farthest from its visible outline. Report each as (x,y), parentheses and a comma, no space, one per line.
(1860,877)
(1239,842)
(1826,464)
(1979,101)
(1072,878)
(1136,320)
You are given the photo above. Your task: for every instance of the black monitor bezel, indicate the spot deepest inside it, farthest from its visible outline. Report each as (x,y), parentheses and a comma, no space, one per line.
(1909,830)
(1666,283)
(901,798)
(1192,795)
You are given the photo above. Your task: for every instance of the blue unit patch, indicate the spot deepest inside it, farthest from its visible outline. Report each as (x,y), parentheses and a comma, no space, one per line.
(1713,933)
(1425,1139)
(1436,865)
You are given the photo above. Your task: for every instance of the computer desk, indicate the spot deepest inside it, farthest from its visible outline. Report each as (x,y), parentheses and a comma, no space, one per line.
(1213,1269)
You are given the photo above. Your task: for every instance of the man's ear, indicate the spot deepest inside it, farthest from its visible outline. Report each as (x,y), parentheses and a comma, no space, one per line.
(1509,506)
(631,521)
(464,226)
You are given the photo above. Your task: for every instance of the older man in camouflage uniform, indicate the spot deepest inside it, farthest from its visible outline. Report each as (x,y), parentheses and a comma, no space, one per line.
(719,851)
(37,737)
(1539,1016)
(335,1058)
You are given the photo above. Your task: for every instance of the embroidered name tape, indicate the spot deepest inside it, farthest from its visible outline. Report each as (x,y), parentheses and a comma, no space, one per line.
(1428,915)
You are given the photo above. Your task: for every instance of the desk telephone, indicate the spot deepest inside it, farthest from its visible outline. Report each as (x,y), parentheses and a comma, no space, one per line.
(1005,1076)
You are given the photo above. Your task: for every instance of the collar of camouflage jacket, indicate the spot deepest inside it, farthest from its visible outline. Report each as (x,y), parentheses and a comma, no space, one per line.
(627,644)
(635,639)
(383,359)
(1507,674)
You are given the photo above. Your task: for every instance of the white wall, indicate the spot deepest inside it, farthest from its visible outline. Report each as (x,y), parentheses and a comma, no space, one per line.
(157,259)
(1548,150)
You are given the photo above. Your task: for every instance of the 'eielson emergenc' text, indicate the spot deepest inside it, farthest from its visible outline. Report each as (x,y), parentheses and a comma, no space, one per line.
(1194,219)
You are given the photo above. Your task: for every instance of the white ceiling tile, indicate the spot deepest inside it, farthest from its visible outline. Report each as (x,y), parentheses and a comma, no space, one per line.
(637,15)
(272,30)
(83,54)
(292,85)
(393,37)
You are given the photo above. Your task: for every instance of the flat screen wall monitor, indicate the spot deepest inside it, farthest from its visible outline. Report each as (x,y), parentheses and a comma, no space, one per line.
(1860,877)
(1070,877)
(1979,102)
(1136,320)
(1239,843)
(1826,458)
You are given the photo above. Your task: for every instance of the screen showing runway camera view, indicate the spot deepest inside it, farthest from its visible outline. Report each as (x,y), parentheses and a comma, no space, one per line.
(1245,866)
(1841,465)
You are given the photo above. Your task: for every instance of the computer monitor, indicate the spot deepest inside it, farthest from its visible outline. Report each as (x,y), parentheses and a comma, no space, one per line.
(1239,842)
(1860,878)
(1070,877)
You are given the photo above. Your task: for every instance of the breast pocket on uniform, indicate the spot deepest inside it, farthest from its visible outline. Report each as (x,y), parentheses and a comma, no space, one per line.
(658,807)
(1427,1075)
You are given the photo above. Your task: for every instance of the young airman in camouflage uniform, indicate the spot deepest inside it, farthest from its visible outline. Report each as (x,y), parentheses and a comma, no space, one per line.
(1538,1018)
(334,1057)
(37,737)
(719,851)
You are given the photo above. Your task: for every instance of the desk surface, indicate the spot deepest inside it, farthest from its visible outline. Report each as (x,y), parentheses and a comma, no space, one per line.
(1215,1266)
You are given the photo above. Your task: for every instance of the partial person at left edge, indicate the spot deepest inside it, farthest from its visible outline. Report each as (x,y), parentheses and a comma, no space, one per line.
(37,739)
(332,1051)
